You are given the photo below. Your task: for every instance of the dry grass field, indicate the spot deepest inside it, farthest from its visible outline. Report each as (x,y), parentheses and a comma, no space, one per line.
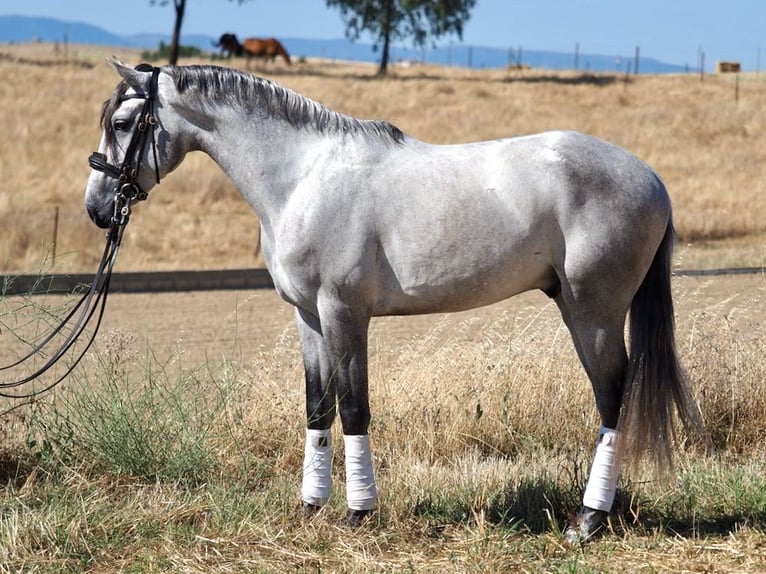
(706,144)
(176,445)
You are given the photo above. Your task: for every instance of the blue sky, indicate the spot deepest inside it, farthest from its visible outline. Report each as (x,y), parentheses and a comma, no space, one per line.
(670,30)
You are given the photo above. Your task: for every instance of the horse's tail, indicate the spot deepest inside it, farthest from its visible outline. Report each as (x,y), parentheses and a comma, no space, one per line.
(655,383)
(283,52)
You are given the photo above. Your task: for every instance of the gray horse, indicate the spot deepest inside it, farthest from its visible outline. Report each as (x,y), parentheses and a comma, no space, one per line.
(360,220)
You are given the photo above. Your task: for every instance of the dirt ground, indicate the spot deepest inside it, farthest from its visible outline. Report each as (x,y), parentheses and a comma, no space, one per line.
(217,323)
(241,326)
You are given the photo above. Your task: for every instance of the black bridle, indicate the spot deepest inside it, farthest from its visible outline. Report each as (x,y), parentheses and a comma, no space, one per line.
(93,302)
(127,189)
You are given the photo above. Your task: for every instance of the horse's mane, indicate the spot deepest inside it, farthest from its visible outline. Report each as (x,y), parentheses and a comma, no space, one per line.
(227,86)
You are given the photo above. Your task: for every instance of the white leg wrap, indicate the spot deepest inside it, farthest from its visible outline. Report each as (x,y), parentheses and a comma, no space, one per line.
(361,493)
(604,472)
(317,466)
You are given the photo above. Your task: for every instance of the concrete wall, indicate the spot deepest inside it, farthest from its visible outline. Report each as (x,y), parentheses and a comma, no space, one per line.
(157,281)
(141,282)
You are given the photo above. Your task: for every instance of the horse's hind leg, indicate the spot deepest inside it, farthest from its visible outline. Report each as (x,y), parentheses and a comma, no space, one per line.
(598,336)
(335,364)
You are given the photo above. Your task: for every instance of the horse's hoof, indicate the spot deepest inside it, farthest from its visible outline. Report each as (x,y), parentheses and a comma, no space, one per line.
(356,518)
(589,524)
(310,510)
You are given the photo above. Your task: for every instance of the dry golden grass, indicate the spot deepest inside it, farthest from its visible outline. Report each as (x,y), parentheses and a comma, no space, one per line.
(706,145)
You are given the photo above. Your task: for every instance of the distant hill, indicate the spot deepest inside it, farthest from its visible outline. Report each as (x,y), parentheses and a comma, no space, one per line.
(26,29)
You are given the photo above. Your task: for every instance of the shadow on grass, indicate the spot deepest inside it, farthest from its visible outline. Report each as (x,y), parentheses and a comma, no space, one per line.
(597,80)
(540,506)
(574,79)
(16,464)
(535,506)
(640,517)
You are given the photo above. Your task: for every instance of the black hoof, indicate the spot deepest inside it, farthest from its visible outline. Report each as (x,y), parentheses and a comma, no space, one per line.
(356,518)
(310,510)
(590,523)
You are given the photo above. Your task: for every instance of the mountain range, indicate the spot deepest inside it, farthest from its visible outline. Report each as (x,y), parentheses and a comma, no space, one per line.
(14,29)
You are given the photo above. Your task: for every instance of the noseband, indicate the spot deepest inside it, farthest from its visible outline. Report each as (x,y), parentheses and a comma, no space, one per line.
(127,188)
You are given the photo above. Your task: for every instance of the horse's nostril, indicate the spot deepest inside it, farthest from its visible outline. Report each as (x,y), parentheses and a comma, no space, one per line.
(96,217)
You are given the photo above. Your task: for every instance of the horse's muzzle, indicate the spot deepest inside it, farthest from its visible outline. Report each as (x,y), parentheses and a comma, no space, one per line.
(100,217)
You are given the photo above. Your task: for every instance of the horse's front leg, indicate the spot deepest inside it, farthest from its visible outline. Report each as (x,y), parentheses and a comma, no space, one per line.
(335,364)
(320,414)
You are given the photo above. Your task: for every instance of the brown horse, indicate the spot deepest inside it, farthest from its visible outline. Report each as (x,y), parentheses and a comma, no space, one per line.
(266,48)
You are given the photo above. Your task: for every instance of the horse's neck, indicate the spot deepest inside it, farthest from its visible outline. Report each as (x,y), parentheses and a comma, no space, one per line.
(265,159)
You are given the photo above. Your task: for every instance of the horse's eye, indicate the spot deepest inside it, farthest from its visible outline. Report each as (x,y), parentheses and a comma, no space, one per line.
(121,125)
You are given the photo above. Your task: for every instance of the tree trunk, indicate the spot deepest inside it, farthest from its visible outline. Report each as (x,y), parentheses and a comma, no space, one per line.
(386,29)
(180,6)
(384,57)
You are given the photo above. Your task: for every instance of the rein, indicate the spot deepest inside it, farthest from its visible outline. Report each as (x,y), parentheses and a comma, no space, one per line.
(93,302)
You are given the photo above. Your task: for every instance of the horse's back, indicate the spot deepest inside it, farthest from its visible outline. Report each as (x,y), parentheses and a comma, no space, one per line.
(590,189)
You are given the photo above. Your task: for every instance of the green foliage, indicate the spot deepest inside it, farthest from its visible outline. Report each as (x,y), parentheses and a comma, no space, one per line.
(400,19)
(163,53)
(148,426)
(391,20)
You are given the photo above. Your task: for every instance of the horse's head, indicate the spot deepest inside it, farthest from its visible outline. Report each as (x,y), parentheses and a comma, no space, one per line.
(135,149)
(228,43)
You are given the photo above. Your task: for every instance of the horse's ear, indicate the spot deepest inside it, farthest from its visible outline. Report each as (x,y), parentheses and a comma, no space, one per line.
(116,64)
(135,78)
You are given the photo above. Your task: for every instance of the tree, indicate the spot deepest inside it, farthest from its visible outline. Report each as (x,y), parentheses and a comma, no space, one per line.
(389,20)
(180,6)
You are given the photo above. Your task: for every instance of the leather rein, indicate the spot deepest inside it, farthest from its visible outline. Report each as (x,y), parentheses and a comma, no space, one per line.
(93,302)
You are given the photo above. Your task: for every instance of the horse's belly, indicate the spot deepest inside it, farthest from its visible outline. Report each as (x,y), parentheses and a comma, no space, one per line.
(441,290)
